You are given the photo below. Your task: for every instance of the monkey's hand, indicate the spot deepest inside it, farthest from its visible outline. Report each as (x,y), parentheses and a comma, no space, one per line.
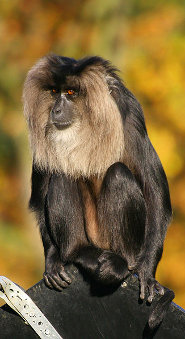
(55,276)
(148,285)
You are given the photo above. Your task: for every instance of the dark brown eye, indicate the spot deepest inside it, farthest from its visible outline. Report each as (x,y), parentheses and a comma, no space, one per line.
(55,90)
(70,92)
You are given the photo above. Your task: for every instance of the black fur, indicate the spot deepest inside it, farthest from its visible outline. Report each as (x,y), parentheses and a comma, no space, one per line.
(133,206)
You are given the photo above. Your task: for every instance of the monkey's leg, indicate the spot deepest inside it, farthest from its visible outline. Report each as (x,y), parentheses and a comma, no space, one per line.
(65,224)
(121,214)
(121,218)
(123,210)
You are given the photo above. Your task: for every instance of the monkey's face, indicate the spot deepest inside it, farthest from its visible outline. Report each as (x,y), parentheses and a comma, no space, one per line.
(63,112)
(50,96)
(67,97)
(75,124)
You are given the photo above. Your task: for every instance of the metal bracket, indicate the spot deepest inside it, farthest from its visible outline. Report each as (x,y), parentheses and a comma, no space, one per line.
(21,303)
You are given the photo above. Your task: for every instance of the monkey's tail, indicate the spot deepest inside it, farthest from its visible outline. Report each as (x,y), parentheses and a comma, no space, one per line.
(104,267)
(158,313)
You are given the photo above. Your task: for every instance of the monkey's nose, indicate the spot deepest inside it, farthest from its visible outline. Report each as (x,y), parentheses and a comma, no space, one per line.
(57,111)
(56,115)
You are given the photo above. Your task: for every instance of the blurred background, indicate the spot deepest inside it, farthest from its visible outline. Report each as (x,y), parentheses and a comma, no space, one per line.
(145,40)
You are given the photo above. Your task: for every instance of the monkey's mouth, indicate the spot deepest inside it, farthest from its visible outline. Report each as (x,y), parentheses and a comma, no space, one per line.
(62,125)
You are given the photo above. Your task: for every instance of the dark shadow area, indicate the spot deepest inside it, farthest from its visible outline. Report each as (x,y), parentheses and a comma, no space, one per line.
(96,289)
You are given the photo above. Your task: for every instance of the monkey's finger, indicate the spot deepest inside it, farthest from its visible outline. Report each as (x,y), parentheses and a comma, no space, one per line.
(143,286)
(151,289)
(65,277)
(47,281)
(152,286)
(151,294)
(60,281)
(57,283)
(142,291)
(159,288)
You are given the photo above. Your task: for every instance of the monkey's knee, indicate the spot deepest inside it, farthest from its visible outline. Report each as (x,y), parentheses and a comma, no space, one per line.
(117,169)
(118,173)
(119,179)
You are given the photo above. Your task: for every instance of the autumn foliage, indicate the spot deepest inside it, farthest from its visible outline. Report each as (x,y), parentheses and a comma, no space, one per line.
(145,39)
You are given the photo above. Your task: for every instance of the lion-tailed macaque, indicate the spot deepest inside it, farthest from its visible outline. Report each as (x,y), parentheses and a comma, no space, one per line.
(99,190)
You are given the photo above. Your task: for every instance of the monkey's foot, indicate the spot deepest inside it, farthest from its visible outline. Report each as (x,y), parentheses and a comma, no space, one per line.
(56,277)
(152,286)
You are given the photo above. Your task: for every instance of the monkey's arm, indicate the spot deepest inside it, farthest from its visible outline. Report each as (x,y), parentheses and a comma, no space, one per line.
(65,225)
(54,274)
